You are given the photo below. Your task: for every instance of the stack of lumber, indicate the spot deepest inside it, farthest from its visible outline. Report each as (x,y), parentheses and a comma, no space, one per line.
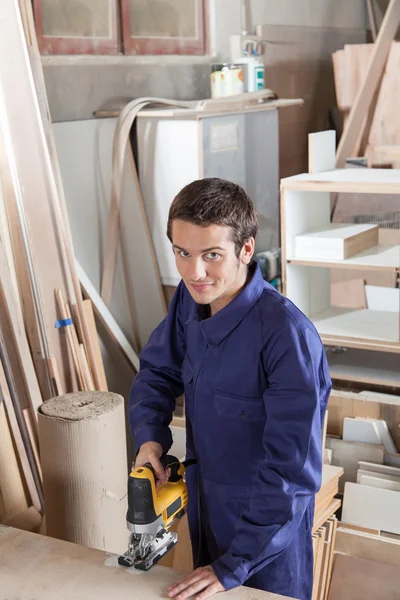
(48,340)
(324,529)
(323,547)
(379,139)
(325,502)
(367,453)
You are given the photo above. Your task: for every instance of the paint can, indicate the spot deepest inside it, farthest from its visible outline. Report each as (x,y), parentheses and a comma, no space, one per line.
(227,80)
(253,73)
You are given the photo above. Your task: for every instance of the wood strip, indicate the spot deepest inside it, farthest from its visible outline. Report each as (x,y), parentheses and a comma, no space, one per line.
(330,563)
(32,177)
(33,439)
(19,443)
(84,365)
(71,336)
(59,210)
(12,493)
(88,308)
(359,110)
(107,319)
(15,336)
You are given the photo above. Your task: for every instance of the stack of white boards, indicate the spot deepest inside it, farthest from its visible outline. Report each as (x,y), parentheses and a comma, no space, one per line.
(336,241)
(371,474)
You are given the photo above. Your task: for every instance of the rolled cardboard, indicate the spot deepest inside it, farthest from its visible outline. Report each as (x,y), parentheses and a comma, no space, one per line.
(84,463)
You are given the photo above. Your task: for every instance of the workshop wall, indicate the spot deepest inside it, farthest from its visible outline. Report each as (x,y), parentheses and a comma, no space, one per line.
(77,86)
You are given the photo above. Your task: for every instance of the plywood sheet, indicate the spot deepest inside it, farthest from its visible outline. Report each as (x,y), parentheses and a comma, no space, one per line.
(370,507)
(347,455)
(56,569)
(358,579)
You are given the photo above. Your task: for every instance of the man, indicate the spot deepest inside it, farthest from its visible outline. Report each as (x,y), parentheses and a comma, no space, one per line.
(256,385)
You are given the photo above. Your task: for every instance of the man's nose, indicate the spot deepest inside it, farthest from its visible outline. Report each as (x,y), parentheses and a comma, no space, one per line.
(197,270)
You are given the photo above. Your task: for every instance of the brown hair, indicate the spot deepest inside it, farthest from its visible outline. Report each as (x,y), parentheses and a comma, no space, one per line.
(216,201)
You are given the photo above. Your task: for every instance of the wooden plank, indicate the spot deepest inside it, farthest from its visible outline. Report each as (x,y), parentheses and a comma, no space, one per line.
(355,578)
(331,510)
(370,431)
(330,562)
(12,493)
(32,178)
(13,321)
(19,442)
(348,294)
(82,573)
(385,127)
(347,181)
(33,439)
(359,110)
(58,208)
(336,241)
(368,546)
(321,151)
(347,454)
(385,154)
(370,507)
(359,529)
(88,308)
(321,534)
(107,319)
(71,336)
(376,482)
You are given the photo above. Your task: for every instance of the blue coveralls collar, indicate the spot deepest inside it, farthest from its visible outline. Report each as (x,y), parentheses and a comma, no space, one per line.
(217,327)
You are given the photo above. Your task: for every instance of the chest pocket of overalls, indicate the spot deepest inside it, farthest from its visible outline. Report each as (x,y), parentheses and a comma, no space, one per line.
(242,421)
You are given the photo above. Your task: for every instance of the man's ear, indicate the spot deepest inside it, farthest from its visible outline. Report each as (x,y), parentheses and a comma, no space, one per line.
(246,253)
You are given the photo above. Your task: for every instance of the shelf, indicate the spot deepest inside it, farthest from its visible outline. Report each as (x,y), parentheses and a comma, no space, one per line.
(375,258)
(368,181)
(361,366)
(381,327)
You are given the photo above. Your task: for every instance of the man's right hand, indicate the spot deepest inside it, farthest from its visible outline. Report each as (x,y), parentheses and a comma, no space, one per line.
(151,452)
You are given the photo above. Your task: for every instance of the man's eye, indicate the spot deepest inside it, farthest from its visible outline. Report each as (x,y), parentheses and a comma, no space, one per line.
(183,253)
(212,255)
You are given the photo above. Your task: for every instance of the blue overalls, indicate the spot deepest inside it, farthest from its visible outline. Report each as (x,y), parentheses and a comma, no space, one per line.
(256,384)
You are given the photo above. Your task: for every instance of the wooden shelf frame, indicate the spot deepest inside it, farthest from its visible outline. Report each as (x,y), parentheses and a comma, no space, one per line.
(306,207)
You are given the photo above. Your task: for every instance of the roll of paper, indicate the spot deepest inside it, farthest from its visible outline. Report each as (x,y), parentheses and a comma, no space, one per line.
(84,462)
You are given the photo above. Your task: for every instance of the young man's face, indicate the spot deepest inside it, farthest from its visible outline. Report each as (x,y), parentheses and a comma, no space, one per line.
(206,260)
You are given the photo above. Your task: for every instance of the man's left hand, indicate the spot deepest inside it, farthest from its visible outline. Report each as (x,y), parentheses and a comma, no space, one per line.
(202,582)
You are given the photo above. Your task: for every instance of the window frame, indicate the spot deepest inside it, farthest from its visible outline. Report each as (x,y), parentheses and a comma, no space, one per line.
(141,45)
(53,45)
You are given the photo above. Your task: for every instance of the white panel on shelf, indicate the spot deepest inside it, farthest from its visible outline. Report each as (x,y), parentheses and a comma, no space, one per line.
(303,211)
(169,159)
(382,298)
(371,507)
(384,484)
(362,324)
(370,431)
(336,241)
(308,288)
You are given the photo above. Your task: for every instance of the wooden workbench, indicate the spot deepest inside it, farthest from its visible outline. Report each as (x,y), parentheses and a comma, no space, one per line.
(34,566)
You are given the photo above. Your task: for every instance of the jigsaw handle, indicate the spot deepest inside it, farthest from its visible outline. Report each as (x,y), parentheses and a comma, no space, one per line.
(171,462)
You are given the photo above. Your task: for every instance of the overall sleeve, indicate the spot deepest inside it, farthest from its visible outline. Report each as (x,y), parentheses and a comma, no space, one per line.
(159,383)
(290,472)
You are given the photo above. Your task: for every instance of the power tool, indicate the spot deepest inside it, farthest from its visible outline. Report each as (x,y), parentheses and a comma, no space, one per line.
(152,511)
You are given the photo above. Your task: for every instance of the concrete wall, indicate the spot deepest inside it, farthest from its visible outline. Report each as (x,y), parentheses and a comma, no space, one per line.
(78,86)
(227,19)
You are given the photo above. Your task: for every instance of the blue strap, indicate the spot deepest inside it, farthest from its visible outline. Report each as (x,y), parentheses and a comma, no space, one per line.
(64,323)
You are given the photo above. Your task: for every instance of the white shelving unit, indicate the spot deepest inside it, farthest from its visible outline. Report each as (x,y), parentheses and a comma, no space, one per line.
(305,207)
